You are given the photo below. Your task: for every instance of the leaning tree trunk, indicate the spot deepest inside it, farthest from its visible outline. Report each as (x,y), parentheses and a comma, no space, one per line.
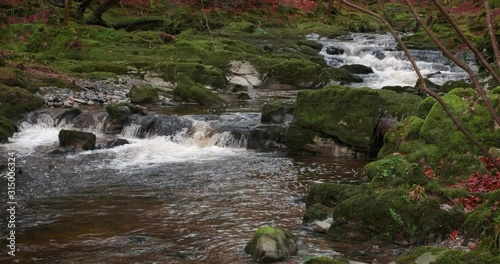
(84,4)
(96,16)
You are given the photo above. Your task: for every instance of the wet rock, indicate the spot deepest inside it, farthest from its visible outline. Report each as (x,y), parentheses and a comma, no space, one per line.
(277,112)
(62,151)
(357,69)
(271,244)
(322,226)
(68,115)
(117,142)
(77,139)
(161,125)
(142,95)
(310,43)
(334,51)
(243,96)
(84,120)
(267,137)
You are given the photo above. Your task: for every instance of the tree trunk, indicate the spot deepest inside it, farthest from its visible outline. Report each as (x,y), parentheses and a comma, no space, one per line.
(96,17)
(66,12)
(83,6)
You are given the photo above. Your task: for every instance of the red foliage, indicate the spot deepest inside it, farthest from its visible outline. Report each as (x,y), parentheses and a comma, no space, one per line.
(471,7)
(306,6)
(37,17)
(480,183)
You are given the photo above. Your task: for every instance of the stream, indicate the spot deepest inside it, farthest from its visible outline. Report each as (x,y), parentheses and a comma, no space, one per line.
(195,196)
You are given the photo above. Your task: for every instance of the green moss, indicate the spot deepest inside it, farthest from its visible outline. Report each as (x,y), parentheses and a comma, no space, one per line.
(316,212)
(425,107)
(311,44)
(329,194)
(350,114)
(143,95)
(190,91)
(400,135)
(392,214)
(325,260)
(394,171)
(446,256)
(7,128)
(118,112)
(297,137)
(14,102)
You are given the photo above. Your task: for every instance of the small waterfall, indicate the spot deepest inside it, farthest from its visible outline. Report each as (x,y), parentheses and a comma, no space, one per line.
(131,130)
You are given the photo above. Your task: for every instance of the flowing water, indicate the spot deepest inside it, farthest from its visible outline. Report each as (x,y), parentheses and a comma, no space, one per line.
(390,65)
(194,196)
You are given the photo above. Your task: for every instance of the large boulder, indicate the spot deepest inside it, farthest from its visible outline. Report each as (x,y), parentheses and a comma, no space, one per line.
(77,139)
(143,95)
(271,244)
(243,73)
(347,116)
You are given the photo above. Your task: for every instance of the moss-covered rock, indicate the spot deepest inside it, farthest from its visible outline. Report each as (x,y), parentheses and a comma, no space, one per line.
(7,128)
(325,260)
(190,91)
(447,256)
(394,171)
(402,133)
(347,114)
(393,215)
(311,44)
(143,95)
(271,244)
(276,112)
(450,85)
(118,112)
(15,101)
(316,212)
(425,107)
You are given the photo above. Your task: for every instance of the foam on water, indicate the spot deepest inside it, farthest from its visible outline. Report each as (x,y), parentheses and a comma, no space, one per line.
(30,136)
(161,149)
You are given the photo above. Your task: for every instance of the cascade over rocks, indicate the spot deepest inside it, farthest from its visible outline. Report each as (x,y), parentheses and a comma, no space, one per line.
(161,125)
(271,244)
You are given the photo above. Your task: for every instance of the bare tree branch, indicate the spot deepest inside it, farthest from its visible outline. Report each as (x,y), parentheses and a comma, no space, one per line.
(491,31)
(466,40)
(460,63)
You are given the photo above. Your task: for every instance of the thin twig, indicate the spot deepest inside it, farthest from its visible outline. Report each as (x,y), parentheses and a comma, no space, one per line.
(491,31)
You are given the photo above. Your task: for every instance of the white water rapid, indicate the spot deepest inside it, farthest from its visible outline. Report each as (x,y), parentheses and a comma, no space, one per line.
(390,66)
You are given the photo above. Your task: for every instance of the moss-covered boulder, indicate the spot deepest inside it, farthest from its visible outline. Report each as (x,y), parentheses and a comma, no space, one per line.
(394,171)
(189,91)
(145,94)
(316,212)
(349,115)
(15,101)
(118,112)
(77,139)
(436,255)
(450,85)
(276,112)
(393,215)
(433,140)
(271,244)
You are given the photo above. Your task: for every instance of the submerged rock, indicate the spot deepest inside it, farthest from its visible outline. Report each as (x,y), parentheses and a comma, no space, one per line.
(271,244)
(266,137)
(77,139)
(117,142)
